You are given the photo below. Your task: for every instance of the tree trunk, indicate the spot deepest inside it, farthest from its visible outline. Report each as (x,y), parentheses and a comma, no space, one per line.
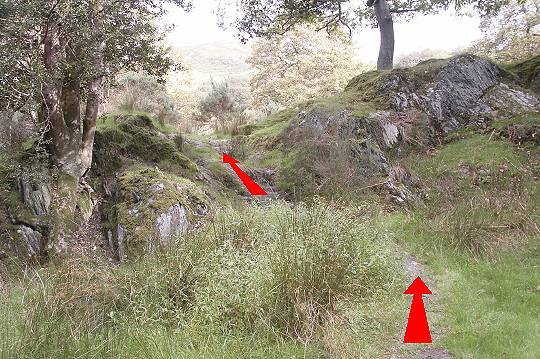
(94,88)
(70,147)
(386,28)
(60,116)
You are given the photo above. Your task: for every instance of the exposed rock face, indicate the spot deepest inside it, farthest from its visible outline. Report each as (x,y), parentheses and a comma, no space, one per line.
(32,239)
(383,115)
(171,224)
(151,210)
(452,92)
(36,195)
(26,202)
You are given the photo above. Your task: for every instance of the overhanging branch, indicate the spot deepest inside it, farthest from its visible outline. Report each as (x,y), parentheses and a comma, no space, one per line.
(399,11)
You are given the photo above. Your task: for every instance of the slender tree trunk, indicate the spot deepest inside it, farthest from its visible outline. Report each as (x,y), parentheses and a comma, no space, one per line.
(386,28)
(94,89)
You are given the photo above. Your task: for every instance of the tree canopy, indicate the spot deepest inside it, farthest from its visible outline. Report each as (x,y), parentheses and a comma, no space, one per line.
(54,55)
(509,36)
(299,66)
(271,17)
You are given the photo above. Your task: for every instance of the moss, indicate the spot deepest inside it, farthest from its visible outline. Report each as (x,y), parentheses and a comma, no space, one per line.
(274,124)
(111,120)
(146,193)
(530,119)
(528,71)
(472,150)
(226,178)
(375,86)
(136,137)
(64,220)
(84,205)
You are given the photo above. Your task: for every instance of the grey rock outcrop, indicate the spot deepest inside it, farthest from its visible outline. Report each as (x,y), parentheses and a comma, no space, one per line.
(33,240)
(171,224)
(152,210)
(36,195)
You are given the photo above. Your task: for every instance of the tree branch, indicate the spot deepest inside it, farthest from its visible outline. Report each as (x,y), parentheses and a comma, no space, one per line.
(399,11)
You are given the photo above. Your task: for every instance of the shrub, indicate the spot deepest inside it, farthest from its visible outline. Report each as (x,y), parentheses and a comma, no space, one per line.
(225,106)
(288,269)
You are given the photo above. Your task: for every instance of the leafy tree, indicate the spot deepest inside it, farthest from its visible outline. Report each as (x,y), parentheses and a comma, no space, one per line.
(298,66)
(54,57)
(270,17)
(510,36)
(55,54)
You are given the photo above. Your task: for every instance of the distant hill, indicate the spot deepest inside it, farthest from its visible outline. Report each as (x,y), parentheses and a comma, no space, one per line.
(219,61)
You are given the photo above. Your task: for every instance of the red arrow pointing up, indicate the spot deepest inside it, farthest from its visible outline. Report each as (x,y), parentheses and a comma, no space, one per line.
(417,326)
(250,184)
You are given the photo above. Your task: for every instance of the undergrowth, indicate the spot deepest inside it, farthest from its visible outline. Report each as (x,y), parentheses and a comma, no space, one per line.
(269,281)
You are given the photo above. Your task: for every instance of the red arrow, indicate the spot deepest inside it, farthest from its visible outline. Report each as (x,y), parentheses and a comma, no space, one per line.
(417,326)
(250,184)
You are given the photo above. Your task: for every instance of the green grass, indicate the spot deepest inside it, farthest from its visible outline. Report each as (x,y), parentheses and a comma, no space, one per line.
(270,281)
(494,307)
(478,238)
(490,306)
(530,119)
(472,150)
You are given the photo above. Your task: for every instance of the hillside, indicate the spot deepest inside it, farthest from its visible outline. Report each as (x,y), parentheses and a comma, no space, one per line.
(428,171)
(217,61)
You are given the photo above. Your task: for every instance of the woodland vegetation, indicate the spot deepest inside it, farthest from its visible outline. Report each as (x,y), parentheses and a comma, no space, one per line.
(124,235)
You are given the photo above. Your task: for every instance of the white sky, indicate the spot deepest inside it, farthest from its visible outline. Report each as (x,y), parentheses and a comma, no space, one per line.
(444,31)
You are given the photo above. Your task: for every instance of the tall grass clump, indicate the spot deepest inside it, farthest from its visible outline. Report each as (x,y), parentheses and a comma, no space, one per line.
(289,269)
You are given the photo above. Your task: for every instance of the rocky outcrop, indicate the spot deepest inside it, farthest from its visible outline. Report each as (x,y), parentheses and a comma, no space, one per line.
(150,210)
(452,92)
(384,115)
(136,138)
(36,194)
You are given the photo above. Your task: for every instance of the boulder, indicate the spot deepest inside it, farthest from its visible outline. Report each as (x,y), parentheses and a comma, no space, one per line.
(36,194)
(151,210)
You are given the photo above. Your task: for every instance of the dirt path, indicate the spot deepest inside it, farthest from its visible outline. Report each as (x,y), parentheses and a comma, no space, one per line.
(434,311)
(89,241)
(265,177)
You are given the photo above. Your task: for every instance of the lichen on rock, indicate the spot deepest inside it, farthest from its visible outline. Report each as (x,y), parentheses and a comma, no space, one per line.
(152,209)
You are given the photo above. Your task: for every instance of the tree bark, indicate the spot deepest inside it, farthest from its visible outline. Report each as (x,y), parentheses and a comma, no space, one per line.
(51,115)
(386,28)
(94,89)
(60,114)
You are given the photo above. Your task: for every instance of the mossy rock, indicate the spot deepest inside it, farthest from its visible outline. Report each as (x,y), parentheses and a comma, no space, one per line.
(151,210)
(136,137)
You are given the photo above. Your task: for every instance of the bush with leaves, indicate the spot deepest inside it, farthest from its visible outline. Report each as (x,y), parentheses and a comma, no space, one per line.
(225,107)
(301,65)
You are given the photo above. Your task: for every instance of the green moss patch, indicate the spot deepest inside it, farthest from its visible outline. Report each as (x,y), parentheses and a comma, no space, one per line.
(531,119)
(473,150)
(528,71)
(138,138)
